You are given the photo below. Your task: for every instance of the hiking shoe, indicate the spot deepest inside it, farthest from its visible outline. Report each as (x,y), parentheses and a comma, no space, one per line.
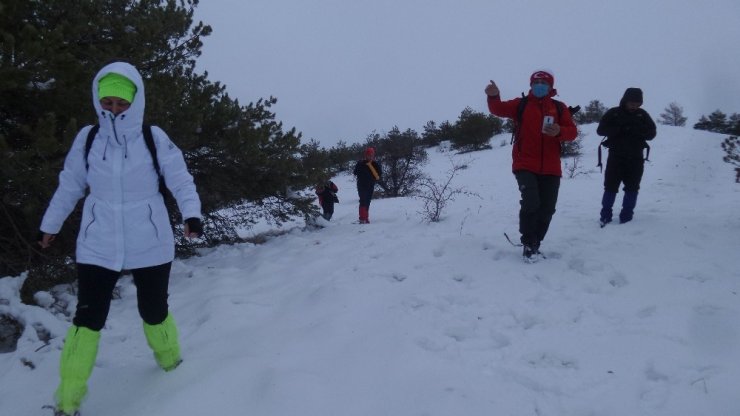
(625,217)
(531,254)
(61,413)
(528,251)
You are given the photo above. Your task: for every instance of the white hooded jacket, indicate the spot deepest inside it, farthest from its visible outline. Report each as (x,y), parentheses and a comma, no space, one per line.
(124,221)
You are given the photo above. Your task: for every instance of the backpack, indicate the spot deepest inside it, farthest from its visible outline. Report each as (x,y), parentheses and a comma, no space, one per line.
(148,139)
(605,143)
(520,111)
(332,186)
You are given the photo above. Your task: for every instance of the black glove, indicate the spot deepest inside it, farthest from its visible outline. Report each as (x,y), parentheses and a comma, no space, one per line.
(195,226)
(574,110)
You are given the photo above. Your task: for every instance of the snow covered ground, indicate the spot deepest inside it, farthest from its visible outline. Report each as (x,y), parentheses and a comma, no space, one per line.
(405,318)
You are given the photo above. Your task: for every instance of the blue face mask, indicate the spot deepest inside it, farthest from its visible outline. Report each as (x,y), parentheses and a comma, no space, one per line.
(540,90)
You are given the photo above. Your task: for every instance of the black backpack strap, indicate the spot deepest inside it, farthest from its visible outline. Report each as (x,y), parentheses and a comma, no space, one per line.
(559,106)
(149,140)
(518,119)
(88,143)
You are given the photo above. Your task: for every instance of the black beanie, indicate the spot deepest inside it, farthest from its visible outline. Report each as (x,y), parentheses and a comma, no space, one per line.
(632,95)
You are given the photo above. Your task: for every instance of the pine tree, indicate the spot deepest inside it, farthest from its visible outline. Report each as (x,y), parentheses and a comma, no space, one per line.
(341,156)
(716,122)
(733,125)
(731,146)
(401,155)
(474,130)
(673,116)
(240,156)
(591,114)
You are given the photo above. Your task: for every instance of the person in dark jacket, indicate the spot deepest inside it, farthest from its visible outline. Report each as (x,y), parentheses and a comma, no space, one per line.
(627,129)
(327,193)
(368,173)
(536,154)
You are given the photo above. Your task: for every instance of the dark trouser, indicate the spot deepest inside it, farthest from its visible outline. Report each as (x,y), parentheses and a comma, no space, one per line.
(626,170)
(539,197)
(328,207)
(95,292)
(366,194)
(623,170)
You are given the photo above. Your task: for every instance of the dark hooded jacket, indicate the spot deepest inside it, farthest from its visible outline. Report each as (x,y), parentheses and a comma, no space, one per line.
(627,132)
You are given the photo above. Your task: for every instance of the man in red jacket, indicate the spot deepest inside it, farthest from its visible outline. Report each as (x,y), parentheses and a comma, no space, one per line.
(541,123)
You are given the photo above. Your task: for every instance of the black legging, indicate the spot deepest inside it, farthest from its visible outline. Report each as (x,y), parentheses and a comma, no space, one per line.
(95,291)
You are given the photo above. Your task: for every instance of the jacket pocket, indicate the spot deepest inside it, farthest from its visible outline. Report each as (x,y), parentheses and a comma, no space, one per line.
(92,221)
(152,220)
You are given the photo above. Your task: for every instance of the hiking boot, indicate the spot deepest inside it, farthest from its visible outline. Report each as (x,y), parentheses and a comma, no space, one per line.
(628,206)
(607,201)
(364,215)
(531,253)
(58,412)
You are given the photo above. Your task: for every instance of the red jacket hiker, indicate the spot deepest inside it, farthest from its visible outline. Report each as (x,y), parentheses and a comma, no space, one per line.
(542,124)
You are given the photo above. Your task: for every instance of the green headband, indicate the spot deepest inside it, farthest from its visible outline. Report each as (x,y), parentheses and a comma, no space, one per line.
(116,85)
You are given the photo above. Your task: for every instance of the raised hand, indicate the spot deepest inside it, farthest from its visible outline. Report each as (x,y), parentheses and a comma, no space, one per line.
(492,89)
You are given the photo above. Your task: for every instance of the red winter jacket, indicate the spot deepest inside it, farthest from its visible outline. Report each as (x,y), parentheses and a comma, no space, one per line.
(533,150)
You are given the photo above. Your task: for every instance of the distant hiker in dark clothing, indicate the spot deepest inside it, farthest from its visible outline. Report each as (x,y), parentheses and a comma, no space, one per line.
(542,123)
(368,173)
(627,128)
(327,193)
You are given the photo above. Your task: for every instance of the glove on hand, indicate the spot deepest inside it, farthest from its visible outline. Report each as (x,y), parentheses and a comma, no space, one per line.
(195,226)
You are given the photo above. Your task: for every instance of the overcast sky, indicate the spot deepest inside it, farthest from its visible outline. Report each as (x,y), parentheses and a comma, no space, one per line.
(343,68)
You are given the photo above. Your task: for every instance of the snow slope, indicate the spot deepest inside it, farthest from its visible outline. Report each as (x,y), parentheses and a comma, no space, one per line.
(405,318)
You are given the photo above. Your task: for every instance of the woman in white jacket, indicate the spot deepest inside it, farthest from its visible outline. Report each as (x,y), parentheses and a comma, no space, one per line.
(125,225)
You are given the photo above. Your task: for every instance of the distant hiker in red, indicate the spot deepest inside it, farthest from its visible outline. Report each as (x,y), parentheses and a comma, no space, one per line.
(368,174)
(541,124)
(327,193)
(627,128)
